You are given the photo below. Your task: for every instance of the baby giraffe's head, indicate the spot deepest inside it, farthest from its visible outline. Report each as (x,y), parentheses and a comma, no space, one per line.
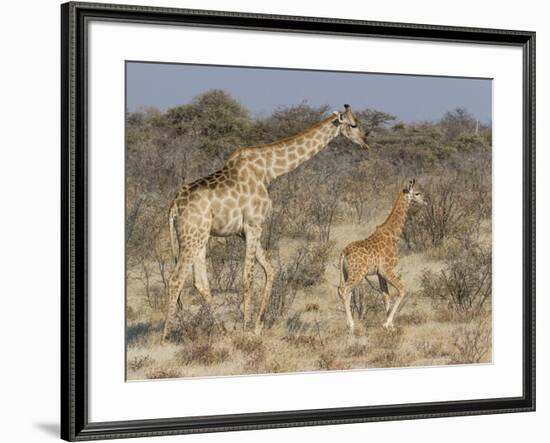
(412,194)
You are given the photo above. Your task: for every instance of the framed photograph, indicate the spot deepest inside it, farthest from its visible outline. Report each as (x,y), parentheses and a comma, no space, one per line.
(273,221)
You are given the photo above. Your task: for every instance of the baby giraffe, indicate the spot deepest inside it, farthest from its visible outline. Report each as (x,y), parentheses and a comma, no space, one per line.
(377,255)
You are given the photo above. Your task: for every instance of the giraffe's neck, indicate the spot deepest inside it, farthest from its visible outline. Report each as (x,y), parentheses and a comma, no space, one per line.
(285,155)
(398,215)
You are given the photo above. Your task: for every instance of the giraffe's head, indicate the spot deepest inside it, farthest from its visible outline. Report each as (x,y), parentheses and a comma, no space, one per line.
(412,193)
(350,127)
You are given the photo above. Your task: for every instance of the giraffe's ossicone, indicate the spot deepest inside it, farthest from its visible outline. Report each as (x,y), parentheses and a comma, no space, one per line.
(377,255)
(235,201)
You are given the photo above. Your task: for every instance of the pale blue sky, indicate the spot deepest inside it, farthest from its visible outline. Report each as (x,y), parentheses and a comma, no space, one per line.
(410,98)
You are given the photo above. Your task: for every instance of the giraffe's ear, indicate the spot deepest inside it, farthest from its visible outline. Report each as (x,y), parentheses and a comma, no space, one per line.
(338,120)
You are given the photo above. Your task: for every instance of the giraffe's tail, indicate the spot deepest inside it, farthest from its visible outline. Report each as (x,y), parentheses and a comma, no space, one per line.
(173,234)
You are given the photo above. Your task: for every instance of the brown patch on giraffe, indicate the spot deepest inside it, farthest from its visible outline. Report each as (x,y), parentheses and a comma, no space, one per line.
(256,202)
(244,188)
(216,206)
(251,186)
(231,204)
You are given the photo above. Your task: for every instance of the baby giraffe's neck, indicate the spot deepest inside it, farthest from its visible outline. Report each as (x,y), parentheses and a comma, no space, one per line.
(398,215)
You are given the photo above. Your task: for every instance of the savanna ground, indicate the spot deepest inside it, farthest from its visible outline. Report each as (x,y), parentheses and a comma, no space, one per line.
(337,197)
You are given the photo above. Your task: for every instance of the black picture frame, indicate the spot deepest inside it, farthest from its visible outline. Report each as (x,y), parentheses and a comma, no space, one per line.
(74,222)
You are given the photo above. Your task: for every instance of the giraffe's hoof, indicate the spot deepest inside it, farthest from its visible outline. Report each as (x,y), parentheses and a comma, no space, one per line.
(258,329)
(388,326)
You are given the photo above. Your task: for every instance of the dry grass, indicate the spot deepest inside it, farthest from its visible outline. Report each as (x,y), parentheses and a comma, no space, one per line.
(311,336)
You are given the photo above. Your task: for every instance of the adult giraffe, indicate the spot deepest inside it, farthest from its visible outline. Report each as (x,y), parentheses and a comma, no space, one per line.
(235,201)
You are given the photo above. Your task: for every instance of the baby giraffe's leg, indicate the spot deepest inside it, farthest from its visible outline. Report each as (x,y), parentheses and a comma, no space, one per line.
(345,292)
(393,280)
(384,288)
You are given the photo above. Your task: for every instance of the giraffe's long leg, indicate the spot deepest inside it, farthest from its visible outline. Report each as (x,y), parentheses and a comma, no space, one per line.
(393,280)
(384,288)
(175,286)
(201,276)
(269,275)
(252,235)
(345,292)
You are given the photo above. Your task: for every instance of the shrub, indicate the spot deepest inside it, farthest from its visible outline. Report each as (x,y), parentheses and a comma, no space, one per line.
(385,346)
(162,373)
(304,269)
(356,350)
(328,361)
(203,353)
(412,318)
(139,361)
(253,350)
(226,261)
(302,340)
(192,326)
(430,348)
(444,216)
(457,123)
(464,285)
(323,205)
(472,342)
(366,300)
(295,324)
(248,345)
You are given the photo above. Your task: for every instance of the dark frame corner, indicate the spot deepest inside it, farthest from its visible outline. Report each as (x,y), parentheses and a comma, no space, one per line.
(74,414)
